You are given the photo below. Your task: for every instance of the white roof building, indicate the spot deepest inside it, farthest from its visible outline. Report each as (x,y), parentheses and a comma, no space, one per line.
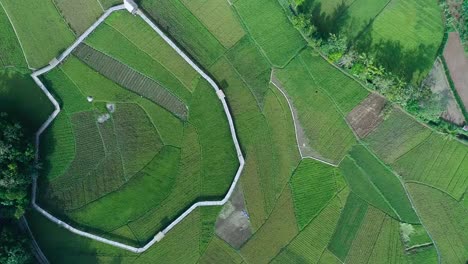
(131,6)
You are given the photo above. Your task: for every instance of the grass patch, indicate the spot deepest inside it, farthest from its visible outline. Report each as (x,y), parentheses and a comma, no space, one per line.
(80,14)
(42,39)
(313,184)
(348,226)
(270,28)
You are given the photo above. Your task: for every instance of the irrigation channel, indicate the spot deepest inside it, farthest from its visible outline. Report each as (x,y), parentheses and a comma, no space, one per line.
(55,62)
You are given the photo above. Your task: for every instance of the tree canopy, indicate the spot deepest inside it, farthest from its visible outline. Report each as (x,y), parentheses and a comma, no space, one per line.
(16,164)
(13,245)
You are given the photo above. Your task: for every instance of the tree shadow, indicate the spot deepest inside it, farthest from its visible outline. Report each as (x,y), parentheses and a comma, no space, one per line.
(325,24)
(408,64)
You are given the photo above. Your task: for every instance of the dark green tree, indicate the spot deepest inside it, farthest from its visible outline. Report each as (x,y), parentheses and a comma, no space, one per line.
(16,164)
(13,245)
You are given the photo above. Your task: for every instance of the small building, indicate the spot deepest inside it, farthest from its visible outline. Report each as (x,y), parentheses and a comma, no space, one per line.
(465,128)
(90,99)
(131,6)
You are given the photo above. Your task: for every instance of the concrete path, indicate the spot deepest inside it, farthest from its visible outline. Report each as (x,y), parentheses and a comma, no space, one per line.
(55,62)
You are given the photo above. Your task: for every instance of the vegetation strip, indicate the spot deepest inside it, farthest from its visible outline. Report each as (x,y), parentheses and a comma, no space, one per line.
(35,75)
(131,79)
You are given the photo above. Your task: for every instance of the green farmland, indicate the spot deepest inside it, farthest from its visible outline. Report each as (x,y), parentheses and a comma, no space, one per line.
(139,153)
(142,136)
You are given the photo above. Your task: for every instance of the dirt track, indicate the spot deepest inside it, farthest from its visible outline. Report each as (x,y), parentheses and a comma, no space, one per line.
(458,66)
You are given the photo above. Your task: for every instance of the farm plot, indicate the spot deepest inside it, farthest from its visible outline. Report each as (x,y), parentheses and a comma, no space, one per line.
(147,189)
(396,135)
(439,162)
(384,181)
(252,66)
(445,219)
(457,63)
(409,32)
(11,53)
(276,233)
(267,138)
(270,28)
(366,237)
(106,4)
(218,18)
(142,36)
(42,39)
(220,252)
(138,59)
(80,14)
(359,182)
(323,124)
(365,117)
(440,87)
(135,167)
(345,92)
(361,14)
(348,225)
(189,32)
(131,79)
(313,184)
(308,246)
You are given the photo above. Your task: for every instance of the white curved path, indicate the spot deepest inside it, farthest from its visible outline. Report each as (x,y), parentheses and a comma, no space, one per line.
(35,75)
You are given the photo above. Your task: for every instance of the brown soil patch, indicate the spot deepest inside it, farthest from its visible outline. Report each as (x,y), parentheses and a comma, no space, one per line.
(458,65)
(437,81)
(365,117)
(233,224)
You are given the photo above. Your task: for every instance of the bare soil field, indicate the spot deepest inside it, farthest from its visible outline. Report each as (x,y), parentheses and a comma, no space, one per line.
(437,81)
(457,63)
(233,224)
(365,117)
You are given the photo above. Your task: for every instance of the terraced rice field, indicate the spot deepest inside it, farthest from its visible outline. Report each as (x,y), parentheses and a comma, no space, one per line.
(122,145)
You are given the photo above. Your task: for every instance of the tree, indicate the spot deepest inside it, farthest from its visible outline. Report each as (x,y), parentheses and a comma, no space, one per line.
(16,165)
(13,246)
